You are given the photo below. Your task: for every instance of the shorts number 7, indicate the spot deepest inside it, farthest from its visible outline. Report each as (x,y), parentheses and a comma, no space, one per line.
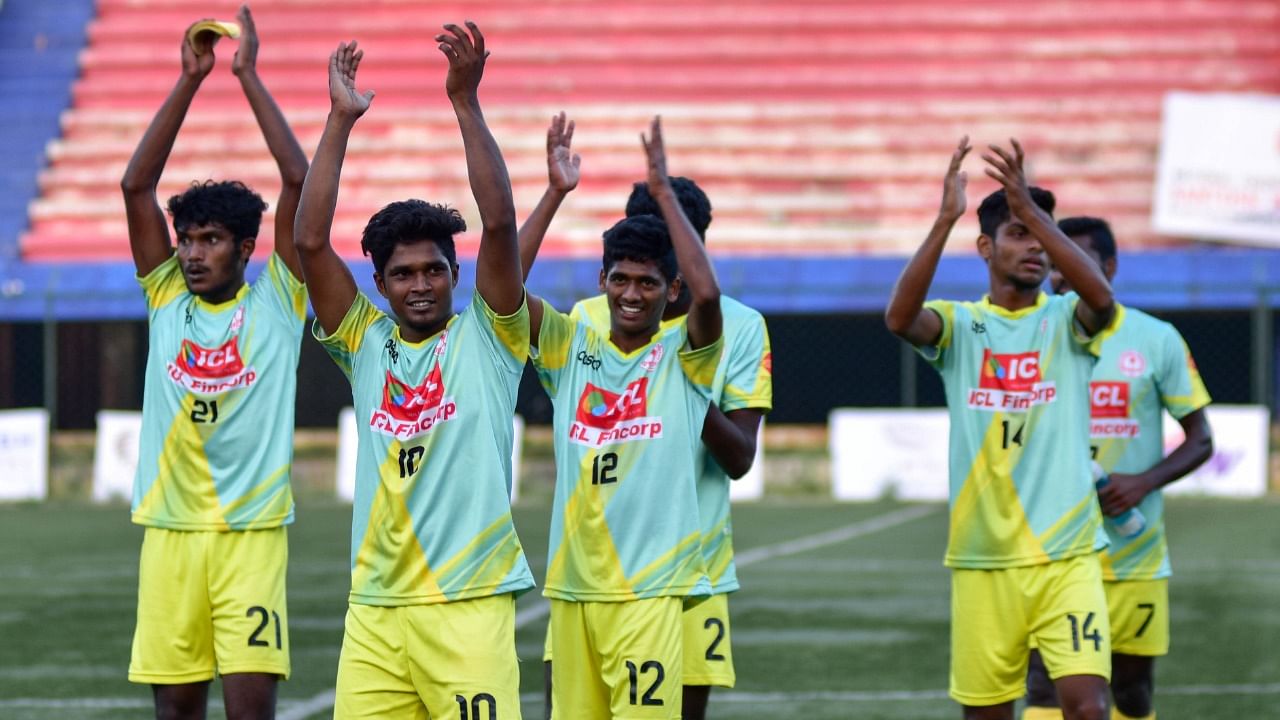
(1151,612)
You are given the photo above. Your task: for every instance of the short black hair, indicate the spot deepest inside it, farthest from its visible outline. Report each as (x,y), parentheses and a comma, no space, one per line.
(994,210)
(407,222)
(1097,229)
(694,202)
(642,238)
(228,203)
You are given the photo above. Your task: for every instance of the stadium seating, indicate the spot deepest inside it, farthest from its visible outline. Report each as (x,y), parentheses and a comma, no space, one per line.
(818,126)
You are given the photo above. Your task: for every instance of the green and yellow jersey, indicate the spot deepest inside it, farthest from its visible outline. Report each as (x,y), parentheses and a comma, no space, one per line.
(431,520)
(1145,368)
(627,430)
(217,410)
(744,379)
(1017,388)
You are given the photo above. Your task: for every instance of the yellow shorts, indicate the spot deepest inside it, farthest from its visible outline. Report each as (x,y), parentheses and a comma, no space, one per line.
(444,660)
(210,603)
(1139,616)
(619,660)
(996,615)
(708,655)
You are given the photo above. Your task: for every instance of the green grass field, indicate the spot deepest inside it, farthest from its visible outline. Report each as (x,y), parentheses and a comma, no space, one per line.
(849,624)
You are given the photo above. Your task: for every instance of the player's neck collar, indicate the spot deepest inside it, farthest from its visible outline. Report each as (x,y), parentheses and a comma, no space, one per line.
(225,304)
(1041,299)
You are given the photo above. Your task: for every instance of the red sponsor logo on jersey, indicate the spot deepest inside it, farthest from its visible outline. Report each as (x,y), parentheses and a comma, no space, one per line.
(1108,399)
(406,402)
(209,371)
(1009,371)
(607,418)
(600,408)
(411,410)
(202,362)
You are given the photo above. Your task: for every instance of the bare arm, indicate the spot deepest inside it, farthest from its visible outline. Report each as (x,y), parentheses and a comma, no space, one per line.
(906,316)
(328,279)
(1125,490)
(284,147)
(562,178)
(498,277)
(1097,304)
(705,322)
(731,438)
(148,230)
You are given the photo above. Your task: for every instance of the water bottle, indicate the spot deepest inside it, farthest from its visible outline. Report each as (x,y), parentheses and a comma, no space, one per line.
(1129,523)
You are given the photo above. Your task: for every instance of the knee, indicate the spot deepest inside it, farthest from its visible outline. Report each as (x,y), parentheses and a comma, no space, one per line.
(1133,699)
(1091,708)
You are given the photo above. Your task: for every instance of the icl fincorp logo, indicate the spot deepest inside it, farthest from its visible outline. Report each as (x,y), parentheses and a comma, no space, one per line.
(605,418)
(1010,382)
(208,371)
(411,410)
(1109,411)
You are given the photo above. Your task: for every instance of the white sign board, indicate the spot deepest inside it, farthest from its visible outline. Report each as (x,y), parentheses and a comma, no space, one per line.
(751,486)
(903,453)
(115,454)
(1238,467)
(347,443)
(1218,176)
(888,452)
(24,454)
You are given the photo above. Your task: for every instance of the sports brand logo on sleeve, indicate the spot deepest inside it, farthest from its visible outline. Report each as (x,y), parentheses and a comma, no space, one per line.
(208,371)
(1010,382)
(408,411)
(605,417)
(1109,411)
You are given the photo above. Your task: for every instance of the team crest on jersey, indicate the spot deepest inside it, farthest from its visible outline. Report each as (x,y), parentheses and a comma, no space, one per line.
(237,320)
(1010,382)
(608,418)
(409,411)
(1132,364)
(1109,411)
(208,371)
(651,360)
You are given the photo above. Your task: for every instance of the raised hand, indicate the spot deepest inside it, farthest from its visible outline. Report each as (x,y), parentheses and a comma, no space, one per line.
(656,153)
(562,162)
(246,58)
(197,60)
(343,96)
(466,56)
(953,187)
(1007,170)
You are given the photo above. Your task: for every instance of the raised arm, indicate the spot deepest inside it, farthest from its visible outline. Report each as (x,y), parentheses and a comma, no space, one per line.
(328,279)
(704,321)
(1097,304)
(148,230)
(498,277)
(284,147)
(905,316)
(562,178)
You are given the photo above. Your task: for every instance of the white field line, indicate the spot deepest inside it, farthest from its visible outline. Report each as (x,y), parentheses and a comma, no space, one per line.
(542,608)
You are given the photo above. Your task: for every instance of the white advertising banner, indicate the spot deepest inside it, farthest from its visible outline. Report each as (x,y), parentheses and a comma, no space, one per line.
(888,452)
(1238,467)
(24,454)
(347,442)
(751,486)
(903,453)
(1218,176)
(115,454)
